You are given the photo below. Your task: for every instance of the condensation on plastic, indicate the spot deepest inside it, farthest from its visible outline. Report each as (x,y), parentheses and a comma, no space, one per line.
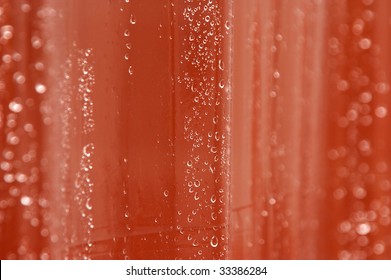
(310,146)
(116,114)
(181,129)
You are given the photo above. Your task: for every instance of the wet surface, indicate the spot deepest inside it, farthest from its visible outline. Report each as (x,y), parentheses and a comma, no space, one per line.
(179,129)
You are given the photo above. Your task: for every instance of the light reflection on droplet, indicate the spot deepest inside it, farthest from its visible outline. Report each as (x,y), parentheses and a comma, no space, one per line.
(363,228)
(130,70)
(214,242)
(132,19)
(381,112)
(40,88)
(26,200)
(15,107)
(19,78)
(365,43)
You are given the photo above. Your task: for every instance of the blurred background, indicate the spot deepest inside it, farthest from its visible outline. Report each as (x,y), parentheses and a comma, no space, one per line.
(195,129)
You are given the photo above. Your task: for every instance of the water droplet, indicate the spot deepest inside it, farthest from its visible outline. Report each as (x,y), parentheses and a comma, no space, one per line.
(279,37)
(276,74)
(26,200)
(222,83)
(36,42)
(227,25)
(15,107)
(128,46)
(221,64)
(132,19)
(342,85)
(127,33)
(197,183)
(379,248)
(214,242)
(272,201)
(19,78)
(365,43)
(196,196)
(88,149)
(126,56)
(364,145)
(363,228)
(166,193)
(213,198)
(20,177)
(9,178)
(7,31)
(130,70)
(366,97)
(40,88)
(381,112)
(88,204)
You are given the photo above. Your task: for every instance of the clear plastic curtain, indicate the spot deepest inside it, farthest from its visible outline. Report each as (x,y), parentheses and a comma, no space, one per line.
(181,129)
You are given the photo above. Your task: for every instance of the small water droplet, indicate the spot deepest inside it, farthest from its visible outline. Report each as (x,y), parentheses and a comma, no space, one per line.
(130,70)
(132,19)
(221,64)
(365,43)
(88,204)
(7,31)
(26,200)
(214,242)
(197,183)
(19,78)
(381,112)
(222,83)
(366,97)
(272,201)
(40,88)
(196,196)
(227,25)
(127,33)
(363,228)
(15,107)
(88,149)
(166,193)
